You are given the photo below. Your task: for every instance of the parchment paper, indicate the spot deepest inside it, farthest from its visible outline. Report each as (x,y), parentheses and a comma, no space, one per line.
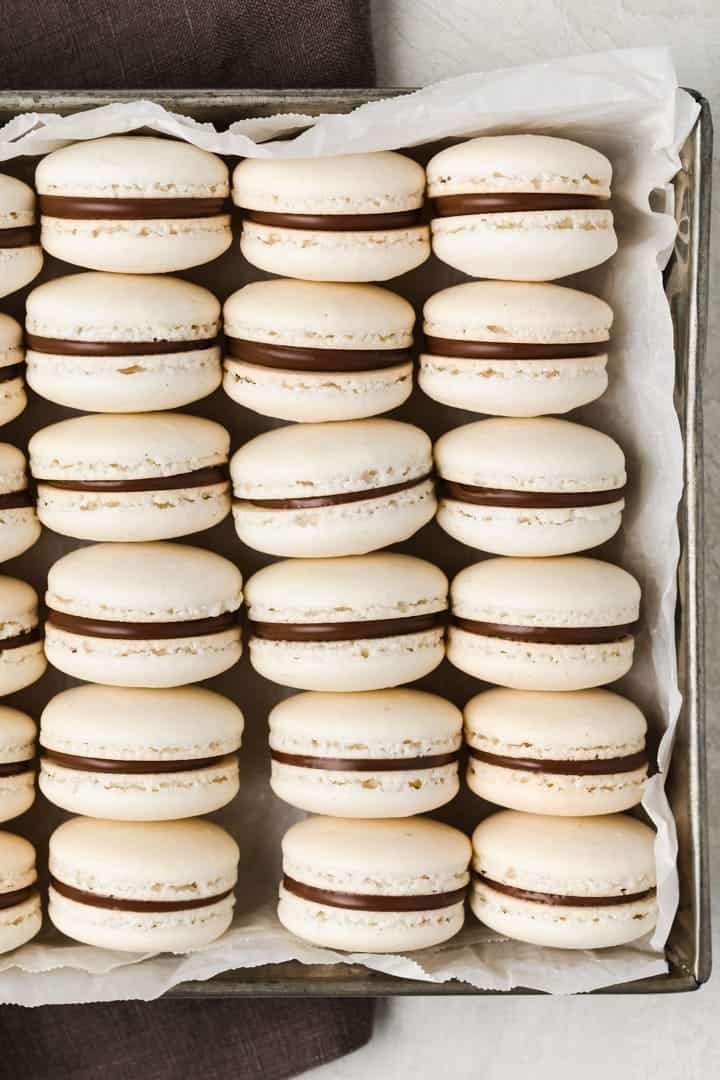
(625,103)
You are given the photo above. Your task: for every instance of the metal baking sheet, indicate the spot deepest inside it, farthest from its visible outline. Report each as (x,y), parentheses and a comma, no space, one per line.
(686,278)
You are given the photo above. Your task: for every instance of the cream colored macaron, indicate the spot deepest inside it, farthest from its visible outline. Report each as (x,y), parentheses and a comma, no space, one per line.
(321,490)
(530,487)
(13,398)
(19,525)
(510,348)
(314,351)
(142,476)
(571,883)
(521,207)
(575,754)
(387,753)
(355,217)
(21,256)
(122,343)
(565,623)
(20,907)
(134,204)
(22,660)
(17,763)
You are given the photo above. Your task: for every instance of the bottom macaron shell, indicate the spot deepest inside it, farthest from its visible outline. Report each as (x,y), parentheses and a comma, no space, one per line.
(17,794)
(19,529)
(21,667)
(563,926)
(161,663)
(368,931)
(523,665)
(13,399)
(317,397)
(164,796)
(365,664)
(19,266)
(562,795)
(20,923)
(132,931)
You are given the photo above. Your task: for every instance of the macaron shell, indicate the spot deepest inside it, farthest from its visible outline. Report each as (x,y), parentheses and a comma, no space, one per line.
(20,923)
(18,267)
(17,794)
(537,792)
(13,399)
(19,530)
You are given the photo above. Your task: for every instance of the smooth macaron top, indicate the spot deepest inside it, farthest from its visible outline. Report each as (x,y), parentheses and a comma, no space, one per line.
(18,607)
(17,736)
(119,446)
(143,582)
(519,163)
(516,311)
(123,307)
(154,860)
(409,856)
(609,855)
(355,588)
(541,454)
(141,725)
(380,723)
(303,461)
(133,167)
(570,591)
(319,315)
(375,183)
(17,863)
(11,341)
(17,203)
(13,469)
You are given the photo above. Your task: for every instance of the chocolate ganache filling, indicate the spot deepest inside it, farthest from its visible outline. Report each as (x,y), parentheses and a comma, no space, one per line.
(548,635)
(19,236)
(312,501)
(529,500)
(513,350)
(16,500)
(308,761)
(560,900)
(299,358)
(581,767)
(17,896)
(159,347)
(28,637)
(82,208)
(17,768)
(403,219)
(130,767)
(114,903)
(199,478)
(349,631)
(373,901)
(140,631)
(513,202)
(12,371)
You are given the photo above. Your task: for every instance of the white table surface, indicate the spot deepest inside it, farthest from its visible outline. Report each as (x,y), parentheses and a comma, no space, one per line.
(628,1038)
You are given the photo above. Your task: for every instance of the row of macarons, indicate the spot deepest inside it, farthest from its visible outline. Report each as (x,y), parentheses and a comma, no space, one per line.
(304,351)
(518,207)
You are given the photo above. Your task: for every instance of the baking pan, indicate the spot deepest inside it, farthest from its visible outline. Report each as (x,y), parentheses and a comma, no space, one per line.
(686,282)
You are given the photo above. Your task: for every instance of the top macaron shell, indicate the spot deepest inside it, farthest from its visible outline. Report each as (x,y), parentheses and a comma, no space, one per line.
(373,185)
(17,762)
(91,201)
(12,370)
(22,660)
(509,348)
(136,477)
(317,351)
(540,237)
(19,921)
(21,256)
(324,490)
(19,526)
(122,343)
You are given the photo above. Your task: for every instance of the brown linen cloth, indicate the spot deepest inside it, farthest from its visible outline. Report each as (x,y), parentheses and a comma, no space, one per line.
(164,44)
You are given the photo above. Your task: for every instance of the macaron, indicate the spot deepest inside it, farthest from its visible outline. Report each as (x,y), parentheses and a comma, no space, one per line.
(385,753)
(564,623)
(313,351)
(20,908)
(510,348)
(521,207)
(355,217)
(21,256)
(147,887)
(12,370)
(365,622)
(373,886)
(17,763)
(147,615)
(530,487)
(22,660)
(141,476)
(134,204)
(139,755)
(572,883)
(19,525)
(323,490)
(573,754)
(117,343)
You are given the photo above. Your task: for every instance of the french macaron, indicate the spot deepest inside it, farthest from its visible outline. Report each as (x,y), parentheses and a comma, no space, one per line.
(147,887)
(571,883)
(134,204)
(139,755)
(378,886)
(118,343)
(22,660)
(315,351)
(17,763)
(575,754)
(147,615)
(365,622)
(13,398)
(20,907)
(529,487)
(322,490)
(355,217)
(565,623)
(19,525)
(511,348)
(133,477)
(521,207)
(21,256)
(385,753)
